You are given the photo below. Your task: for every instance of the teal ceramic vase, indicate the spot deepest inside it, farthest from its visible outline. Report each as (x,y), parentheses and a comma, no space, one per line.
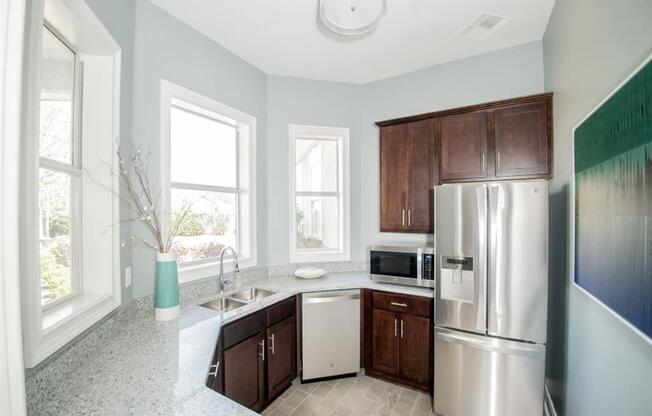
(166,298)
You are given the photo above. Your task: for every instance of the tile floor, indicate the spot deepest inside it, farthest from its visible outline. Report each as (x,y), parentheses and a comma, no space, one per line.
(361,395)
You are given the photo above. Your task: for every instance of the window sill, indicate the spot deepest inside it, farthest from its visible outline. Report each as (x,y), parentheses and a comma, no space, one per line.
(192,272)
(64,322)
(69,310)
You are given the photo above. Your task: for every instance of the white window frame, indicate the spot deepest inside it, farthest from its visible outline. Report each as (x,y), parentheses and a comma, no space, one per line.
(340,134)
(12,373)
(245,189)
(47,329)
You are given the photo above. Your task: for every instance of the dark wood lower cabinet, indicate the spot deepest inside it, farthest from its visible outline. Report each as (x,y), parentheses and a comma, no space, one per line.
(415,349)
(244,372)
(281,357)
(255,359)
(385,342)
(399,346)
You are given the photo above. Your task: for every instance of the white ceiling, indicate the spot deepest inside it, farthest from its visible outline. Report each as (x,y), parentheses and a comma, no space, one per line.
(283,37)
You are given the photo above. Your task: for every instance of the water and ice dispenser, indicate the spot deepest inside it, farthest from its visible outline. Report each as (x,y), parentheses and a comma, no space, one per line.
(457,279)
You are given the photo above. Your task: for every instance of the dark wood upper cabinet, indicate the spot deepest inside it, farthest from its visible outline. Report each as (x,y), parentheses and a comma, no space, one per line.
(463,139)
(393,178)
(522,140)
(244,372)
(422,176)
(281,363)
(508,139)
(407,177)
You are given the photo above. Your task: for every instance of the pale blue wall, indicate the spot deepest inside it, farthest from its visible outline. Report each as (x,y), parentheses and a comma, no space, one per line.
(501,74)
(596,366)
(164,47)
(506,73)
(157,46)
(301,101)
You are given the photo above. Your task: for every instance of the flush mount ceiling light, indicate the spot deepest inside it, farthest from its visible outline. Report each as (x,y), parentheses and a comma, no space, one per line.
(351,17)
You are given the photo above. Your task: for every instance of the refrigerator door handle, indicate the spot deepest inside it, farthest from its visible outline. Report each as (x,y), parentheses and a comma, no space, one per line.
(496,202)
(481,281)
(490,344)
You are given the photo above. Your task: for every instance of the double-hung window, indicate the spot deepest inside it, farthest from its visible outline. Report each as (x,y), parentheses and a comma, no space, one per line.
(319,200)
(70,224)
(209,183)
(59,178)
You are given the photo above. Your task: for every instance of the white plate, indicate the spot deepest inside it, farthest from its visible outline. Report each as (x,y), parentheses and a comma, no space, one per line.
(309,273)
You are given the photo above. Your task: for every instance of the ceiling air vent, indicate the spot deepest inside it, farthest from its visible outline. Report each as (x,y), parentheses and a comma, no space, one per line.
(483,26)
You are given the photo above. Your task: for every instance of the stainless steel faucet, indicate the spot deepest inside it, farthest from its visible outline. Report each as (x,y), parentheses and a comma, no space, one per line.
(236,269)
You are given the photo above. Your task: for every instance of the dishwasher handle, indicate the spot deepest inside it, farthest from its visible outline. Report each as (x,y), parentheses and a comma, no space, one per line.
(334,296)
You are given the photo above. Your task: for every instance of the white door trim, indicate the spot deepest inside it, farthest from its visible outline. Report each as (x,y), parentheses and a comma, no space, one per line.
(12,379)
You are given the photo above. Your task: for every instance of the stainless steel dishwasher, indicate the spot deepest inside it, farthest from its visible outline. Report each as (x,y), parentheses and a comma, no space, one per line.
(330,333)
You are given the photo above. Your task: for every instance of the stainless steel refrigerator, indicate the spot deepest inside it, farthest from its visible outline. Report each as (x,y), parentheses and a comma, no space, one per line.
(491,244)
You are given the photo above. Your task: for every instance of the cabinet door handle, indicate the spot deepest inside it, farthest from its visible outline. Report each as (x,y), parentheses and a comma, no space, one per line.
(262,350)
(401,328)
(402,305)
(498,160)
(214,369)
(409,217)
(483,162)
(272,343)
(395,327)
(403,218)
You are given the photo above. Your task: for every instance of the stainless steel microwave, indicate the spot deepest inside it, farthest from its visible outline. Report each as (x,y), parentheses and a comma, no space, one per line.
(413,266)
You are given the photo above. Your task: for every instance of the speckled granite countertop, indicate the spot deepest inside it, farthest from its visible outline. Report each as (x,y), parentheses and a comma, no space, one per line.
(133,365)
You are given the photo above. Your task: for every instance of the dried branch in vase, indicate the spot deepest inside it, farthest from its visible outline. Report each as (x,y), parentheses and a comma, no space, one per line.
(140,199)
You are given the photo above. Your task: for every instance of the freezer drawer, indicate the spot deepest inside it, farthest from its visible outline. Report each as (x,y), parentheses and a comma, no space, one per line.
(482,376)
(330,333)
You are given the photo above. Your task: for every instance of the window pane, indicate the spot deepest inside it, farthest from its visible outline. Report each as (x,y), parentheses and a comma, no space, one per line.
(208,225)
(203,151)
(317,222)
(56,99)
(316,165)
(55,235)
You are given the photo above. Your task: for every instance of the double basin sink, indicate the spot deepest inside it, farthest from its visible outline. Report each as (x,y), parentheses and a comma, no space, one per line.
(238,299)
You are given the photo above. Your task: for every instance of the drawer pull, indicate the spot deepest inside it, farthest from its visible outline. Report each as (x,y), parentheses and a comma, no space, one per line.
(402,305)
(215,367)
(262,349)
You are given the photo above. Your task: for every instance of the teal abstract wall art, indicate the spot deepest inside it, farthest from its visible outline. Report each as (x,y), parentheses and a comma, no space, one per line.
(613,202)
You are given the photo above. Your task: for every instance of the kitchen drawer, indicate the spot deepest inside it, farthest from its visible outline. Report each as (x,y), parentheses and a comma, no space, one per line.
(244,328)
(280,311)
(413,305)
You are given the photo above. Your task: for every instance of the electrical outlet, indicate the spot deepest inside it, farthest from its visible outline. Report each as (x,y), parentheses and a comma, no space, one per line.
(128,276)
